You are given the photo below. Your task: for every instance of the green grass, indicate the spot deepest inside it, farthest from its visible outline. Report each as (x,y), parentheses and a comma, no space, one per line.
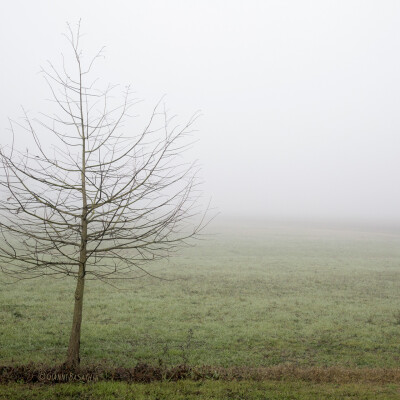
(185,390)
(249,296)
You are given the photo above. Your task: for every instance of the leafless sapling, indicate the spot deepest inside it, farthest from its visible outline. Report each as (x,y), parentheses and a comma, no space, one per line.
(99,203)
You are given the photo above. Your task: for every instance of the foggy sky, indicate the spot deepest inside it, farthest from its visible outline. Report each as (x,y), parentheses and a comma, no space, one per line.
(300,99)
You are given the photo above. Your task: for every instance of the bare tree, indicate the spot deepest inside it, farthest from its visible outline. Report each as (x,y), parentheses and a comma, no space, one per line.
(97,204)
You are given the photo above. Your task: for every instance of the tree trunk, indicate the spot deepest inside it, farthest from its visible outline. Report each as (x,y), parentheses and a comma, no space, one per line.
(75,338)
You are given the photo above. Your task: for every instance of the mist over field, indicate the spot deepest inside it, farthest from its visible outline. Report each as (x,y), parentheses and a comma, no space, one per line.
(300,100)
(280,118)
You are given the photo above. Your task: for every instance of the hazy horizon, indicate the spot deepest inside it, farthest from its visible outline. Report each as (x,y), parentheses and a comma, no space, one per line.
(300,100)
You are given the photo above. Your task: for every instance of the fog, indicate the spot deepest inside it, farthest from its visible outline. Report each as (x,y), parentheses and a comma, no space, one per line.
(300,100)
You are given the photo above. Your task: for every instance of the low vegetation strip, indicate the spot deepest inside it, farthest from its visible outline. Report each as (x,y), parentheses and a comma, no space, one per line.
(144,373)
(204,390)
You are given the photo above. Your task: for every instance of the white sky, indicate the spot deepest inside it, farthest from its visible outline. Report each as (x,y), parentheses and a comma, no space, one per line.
(300,99)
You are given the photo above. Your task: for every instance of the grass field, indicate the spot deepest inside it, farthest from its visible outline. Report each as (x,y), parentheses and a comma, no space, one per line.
(252,295)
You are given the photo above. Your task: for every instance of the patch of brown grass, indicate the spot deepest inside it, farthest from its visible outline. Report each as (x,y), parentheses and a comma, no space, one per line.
(39,373)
